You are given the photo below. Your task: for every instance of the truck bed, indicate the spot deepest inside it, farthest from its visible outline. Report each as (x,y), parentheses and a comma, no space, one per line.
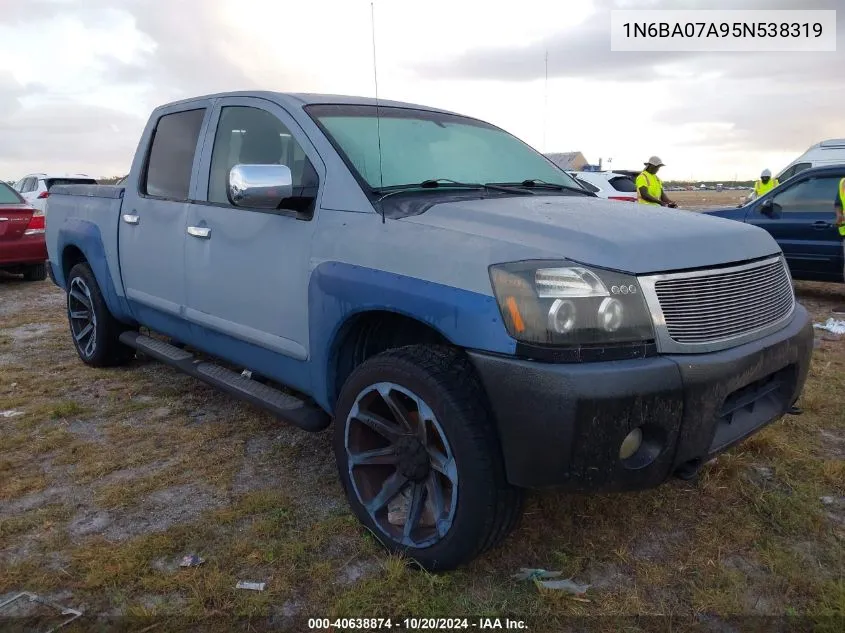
(87,212)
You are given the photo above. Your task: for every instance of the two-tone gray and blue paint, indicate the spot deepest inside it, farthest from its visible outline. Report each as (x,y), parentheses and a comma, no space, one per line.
(272,292)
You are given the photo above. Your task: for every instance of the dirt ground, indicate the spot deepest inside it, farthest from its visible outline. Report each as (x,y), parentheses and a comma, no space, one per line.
(707,199)
(109,477)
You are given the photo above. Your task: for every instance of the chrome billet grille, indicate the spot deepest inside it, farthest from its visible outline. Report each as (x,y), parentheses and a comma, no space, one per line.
(717,305)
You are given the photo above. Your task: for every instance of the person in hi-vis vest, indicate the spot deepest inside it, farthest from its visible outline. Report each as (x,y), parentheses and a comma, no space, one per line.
(765,184)
(839,206)
(650,187)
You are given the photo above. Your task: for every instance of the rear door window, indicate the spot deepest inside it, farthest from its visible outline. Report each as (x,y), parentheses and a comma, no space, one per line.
(171,156)
(623,183)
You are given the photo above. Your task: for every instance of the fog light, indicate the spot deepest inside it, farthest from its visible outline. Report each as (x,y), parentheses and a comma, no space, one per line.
(631,444)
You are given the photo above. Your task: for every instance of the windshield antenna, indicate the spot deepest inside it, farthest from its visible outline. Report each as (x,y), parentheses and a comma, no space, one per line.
(378,116)
(546,102)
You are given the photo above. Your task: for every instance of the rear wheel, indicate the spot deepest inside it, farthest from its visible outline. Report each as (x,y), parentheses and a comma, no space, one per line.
(94,330)
(35,272)
(419,458)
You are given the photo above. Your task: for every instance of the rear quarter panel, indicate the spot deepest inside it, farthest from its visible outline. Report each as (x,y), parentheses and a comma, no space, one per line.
(86,217)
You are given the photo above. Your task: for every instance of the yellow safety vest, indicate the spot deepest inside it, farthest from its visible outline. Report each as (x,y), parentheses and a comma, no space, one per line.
(652,184)
(842,202)
(762,189)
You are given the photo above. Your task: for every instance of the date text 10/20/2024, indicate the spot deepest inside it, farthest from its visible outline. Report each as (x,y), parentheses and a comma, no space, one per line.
(415,624)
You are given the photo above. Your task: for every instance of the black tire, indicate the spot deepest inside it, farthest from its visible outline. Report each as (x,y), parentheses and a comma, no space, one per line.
(35,272)
(106,350)
(444,380)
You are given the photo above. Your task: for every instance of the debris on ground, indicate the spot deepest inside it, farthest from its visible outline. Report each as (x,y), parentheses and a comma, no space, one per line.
(527,573)
(252,586)
(551,580)
(563,585)
(11,413)
(9,608)
(191,560)
(835,326)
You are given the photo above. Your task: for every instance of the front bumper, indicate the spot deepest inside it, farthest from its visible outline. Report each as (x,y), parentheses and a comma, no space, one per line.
(563,424)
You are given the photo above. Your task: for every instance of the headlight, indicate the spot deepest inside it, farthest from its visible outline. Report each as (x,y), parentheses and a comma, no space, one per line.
(554,303)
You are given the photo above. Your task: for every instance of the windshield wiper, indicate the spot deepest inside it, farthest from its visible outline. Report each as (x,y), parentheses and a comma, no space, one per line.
(448,183)
(492,186)
(542,184)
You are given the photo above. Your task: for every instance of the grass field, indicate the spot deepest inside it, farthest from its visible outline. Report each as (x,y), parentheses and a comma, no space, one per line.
(109,477)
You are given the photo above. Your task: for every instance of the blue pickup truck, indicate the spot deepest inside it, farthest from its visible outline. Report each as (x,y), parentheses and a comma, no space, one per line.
(473,321)
(800,215)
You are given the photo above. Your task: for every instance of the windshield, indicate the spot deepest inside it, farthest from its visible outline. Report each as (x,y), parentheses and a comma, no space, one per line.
(418,145)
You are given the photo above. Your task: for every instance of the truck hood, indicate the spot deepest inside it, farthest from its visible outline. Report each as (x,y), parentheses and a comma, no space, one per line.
(633,238)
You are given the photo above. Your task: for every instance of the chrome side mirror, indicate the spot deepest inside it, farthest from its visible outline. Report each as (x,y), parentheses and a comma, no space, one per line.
(259,186)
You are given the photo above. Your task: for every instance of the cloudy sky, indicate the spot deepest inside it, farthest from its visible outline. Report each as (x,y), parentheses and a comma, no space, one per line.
(79,77)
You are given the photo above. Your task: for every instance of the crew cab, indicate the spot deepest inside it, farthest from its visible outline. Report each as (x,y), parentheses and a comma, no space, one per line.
(800,214)
(23,250)
(473,321)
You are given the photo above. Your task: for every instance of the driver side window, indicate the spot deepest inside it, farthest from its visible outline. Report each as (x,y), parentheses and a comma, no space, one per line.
(815,195)
(251,136)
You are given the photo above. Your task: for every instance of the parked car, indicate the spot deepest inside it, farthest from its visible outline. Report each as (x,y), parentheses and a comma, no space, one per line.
(822,154)
(35,188)
(473,321)
(607,184)
(800,215)
(23,250)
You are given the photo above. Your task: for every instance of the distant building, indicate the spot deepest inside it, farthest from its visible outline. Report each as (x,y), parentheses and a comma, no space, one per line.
(574,161)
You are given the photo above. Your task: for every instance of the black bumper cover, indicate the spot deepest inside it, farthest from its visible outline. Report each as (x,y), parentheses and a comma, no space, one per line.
(563,424)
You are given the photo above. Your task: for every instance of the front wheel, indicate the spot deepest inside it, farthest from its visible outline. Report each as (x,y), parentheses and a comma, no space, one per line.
(419,458)
(94,330)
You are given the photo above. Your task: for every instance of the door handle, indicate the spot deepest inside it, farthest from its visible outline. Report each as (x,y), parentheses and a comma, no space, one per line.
(202,232)
(821,224)
(130,218)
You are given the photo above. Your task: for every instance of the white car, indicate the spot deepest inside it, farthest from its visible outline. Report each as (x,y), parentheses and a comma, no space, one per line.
(607,184)
(35,188)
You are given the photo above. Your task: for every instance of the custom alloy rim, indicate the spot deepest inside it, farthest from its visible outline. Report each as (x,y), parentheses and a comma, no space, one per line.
(401,465)
(83,320)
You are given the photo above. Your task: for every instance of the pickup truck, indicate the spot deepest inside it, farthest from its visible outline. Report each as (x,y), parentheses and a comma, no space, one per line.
(472,321)
(801,216)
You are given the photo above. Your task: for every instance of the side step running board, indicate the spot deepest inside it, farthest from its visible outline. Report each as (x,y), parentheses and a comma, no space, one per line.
(305,415)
